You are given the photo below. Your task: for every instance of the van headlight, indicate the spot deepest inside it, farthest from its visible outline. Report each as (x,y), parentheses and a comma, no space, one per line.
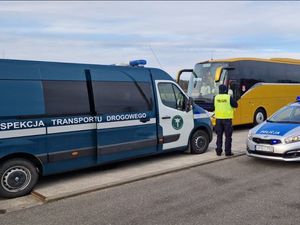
(208,114)
(292,139)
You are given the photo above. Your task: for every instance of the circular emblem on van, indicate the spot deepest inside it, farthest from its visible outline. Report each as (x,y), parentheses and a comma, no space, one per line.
(177,122)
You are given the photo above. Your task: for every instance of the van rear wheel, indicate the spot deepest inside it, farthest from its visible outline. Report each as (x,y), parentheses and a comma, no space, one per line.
(18,177)
(199,142)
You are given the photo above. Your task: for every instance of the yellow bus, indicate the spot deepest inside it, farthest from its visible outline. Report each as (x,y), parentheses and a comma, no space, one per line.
(261,86)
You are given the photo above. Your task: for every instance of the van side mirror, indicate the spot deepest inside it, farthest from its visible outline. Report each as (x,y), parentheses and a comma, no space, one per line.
(218,73)
(188,104)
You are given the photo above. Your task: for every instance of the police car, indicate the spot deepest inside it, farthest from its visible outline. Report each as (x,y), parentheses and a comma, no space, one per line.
(278,138)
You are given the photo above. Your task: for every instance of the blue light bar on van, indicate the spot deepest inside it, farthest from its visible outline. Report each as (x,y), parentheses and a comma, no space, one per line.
(298,99)
(140,62)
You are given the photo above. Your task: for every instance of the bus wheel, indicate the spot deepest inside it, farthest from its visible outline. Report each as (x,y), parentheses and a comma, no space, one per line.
(18,177)
(260,116)
(199,142)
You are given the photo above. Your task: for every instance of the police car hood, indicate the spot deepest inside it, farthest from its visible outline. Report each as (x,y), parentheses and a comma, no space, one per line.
(276,129)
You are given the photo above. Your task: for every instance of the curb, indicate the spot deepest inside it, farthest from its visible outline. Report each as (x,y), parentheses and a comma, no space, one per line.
(46,199)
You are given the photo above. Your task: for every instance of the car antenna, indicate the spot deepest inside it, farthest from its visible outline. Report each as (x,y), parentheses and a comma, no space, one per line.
(155,57)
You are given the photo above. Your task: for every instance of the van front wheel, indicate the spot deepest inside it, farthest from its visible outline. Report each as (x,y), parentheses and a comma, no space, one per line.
(18,177)
(199,142)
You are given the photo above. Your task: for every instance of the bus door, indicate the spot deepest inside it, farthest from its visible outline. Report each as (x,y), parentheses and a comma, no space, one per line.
(175,121)
(125,113)
(235,92)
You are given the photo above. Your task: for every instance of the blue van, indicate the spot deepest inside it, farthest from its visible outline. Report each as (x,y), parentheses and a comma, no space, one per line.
(57,117)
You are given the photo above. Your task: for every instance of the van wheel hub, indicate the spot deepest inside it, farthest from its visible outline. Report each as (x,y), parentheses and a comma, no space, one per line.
(200,142)
(16,178)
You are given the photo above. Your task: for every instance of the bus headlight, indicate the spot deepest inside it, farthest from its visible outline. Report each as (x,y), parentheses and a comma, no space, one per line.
(292,139)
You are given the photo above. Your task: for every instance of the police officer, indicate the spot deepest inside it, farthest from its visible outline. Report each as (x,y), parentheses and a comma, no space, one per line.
(224,104)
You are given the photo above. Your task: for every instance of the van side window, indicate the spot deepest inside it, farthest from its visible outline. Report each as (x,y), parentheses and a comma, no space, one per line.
(66,97)
(120,97)
(171,96)
(21,98)
(167,94)
(180,98)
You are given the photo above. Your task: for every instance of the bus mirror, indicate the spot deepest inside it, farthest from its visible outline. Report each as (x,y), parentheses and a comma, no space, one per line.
(183,79)
(180,72)
(218,73)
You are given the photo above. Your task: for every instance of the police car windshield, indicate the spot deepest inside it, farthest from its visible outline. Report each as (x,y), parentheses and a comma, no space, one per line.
(288,114)
(203,86)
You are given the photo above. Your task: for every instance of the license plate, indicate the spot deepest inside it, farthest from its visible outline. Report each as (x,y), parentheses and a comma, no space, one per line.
(264,148)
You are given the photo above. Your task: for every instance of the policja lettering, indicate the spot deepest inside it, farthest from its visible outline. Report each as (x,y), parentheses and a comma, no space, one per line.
(222,100)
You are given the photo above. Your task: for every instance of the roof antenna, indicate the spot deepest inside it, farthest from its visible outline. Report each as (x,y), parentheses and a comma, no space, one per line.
(211,55)
(155,56)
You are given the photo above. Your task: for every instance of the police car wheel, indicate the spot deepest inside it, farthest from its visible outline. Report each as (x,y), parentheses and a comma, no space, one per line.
(18,177)
(259,116)
(199,142)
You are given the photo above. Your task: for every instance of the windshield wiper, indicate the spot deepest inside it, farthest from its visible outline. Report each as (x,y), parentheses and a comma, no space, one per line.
(293,122)
(272,121)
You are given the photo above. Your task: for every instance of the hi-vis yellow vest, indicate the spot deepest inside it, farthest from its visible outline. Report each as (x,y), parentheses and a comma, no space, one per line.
(223,109)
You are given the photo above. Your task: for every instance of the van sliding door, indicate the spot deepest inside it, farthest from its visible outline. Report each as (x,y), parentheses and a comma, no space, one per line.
(125,112)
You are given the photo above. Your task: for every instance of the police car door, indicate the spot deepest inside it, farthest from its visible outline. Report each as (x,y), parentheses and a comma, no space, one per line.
(175,122)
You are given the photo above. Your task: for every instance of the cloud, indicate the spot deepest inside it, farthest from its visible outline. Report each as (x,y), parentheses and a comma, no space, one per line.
(179,33)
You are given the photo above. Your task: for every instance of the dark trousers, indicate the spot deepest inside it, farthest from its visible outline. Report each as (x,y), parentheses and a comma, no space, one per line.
(224,125)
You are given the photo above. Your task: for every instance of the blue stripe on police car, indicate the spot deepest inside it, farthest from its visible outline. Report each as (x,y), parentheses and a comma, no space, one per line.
(279,129)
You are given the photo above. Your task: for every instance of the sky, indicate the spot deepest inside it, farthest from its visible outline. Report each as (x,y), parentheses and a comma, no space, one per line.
(170,35)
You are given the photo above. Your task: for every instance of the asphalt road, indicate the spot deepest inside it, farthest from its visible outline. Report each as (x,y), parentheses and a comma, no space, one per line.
(240,190)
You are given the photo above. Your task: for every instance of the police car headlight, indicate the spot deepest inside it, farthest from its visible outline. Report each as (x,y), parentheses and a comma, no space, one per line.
(292,139)
(250,136)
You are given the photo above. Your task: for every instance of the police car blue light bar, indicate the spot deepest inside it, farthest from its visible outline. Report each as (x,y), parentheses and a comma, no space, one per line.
(298,99)
(140,62)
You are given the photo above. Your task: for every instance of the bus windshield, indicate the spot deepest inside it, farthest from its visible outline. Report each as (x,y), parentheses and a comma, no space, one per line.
(202,85)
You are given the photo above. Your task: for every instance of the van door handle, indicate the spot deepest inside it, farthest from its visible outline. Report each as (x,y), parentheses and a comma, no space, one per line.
(144,120)
(166,117)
